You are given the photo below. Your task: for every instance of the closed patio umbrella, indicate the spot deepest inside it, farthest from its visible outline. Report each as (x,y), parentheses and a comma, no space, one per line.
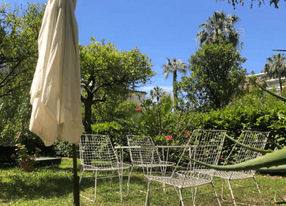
(55,90)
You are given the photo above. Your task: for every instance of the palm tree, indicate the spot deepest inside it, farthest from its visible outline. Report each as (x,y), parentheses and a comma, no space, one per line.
(157,93)
(217,25)
(174,67)
(276,67)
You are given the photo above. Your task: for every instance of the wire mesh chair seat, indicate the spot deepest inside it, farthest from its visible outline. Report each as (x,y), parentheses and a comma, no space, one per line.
(206,146)
(146,157)
(97,155)
(104,167)
(183,179)
(240,154)
(153,164)
(233,175)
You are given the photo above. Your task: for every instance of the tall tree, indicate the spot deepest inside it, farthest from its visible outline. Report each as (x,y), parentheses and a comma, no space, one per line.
(18,46)
(107,74)
(174,67)
(157,92)
(216,74)
(234,2)
(219,24)
(19,30)
(276,67)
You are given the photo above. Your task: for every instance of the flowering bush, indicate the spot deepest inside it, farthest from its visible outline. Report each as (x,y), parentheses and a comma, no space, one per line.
(23,154)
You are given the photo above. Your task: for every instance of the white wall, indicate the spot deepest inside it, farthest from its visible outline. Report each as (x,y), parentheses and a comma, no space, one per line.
(134,97)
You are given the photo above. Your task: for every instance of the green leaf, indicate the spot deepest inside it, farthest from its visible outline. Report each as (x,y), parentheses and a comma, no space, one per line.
(276,158)
(281,116)
(248,147)
(268,91)
(280,168)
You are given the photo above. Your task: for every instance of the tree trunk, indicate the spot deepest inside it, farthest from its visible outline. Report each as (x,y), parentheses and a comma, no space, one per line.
(87,123)
(217,103)
(175,89)
(280,82)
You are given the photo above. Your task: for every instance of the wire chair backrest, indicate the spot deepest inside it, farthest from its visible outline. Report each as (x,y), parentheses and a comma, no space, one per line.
(255,139)
(143,155)
(96,151)
(205,146)
(208,148)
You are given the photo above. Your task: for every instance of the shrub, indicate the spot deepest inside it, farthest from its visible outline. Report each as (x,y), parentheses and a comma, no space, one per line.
(254,111)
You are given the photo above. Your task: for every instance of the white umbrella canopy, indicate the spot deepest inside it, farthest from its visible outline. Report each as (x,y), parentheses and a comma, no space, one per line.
(55,91)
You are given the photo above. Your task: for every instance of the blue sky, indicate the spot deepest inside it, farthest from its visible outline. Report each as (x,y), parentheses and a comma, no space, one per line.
(168,28)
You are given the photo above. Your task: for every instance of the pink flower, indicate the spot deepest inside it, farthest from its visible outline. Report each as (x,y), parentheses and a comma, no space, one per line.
(16,137)
(169,137)
(19,146)
(187,133)
(37,148)
(138,109)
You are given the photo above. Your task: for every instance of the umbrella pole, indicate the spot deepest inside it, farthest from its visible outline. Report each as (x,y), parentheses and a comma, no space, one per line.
(75,179)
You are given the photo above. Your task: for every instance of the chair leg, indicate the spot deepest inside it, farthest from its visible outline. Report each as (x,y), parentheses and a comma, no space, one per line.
(147,202)
(120,174)
(128,181)
(163,172)
(181,197)
(258,189)
(163,169)
(232,196)
(194,195)
(216,194)
(222,190)
(112,173)
(95,185)
(81,176)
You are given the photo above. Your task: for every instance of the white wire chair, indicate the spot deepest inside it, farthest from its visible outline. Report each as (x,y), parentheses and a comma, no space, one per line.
(206,146)
(240,154)
(146,157)
(97,154)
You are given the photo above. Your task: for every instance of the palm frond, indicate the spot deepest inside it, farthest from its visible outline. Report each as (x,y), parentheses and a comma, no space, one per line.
(219,24)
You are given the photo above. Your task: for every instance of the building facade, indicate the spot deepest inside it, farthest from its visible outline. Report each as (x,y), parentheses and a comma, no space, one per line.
(270,82)
(4,68)
(137,96)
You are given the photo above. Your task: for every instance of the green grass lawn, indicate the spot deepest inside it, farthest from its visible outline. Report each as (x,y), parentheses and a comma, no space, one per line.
(53,185)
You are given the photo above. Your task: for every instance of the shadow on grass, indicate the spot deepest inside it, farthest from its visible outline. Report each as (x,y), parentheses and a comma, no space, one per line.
(34,185)
(88,182)
(108,190)
(8,166)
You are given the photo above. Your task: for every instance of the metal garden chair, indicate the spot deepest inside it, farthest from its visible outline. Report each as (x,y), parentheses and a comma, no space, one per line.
(240,154)
(96,155)
(147,158)
(206,146)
